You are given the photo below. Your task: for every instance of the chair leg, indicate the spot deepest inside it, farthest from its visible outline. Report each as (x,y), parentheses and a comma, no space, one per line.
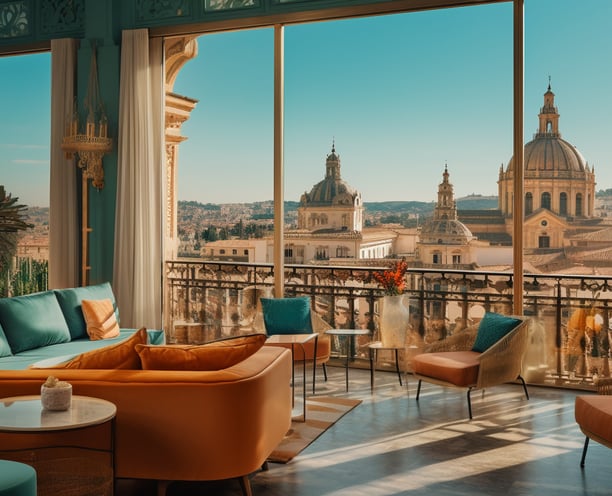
(162,487)
(372,358)
(469,399)
(418,390)
(325,371)
(245,485)
(524,386)
(397,368)
(264,467)
(584,450)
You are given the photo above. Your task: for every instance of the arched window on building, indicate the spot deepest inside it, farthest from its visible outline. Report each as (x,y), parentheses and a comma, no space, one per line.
(528,203)
(545,200)
(579,208)
(563,204)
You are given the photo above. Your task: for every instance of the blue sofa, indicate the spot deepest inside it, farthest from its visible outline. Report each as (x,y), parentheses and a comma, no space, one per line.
(48,327)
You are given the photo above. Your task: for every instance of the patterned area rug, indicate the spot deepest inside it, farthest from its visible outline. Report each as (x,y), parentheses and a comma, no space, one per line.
(321,413)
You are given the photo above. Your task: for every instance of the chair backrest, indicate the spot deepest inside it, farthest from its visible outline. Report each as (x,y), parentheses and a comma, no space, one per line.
(287,315)
(503,361)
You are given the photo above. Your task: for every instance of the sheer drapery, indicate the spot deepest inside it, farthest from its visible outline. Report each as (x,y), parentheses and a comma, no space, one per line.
(64,206)
(137,277)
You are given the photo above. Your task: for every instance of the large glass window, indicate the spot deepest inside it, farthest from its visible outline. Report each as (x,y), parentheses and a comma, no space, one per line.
(24,170)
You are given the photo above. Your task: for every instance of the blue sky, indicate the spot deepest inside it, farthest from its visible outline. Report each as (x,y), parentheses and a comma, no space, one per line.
(401,95)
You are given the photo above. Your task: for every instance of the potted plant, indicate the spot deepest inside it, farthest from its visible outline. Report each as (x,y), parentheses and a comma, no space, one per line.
(394,314)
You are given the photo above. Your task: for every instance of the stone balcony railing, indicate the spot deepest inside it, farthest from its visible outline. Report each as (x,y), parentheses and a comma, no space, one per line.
(569,335)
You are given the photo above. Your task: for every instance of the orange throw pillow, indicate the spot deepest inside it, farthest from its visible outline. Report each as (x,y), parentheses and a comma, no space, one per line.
(116,356)
(216,355)
(100,319)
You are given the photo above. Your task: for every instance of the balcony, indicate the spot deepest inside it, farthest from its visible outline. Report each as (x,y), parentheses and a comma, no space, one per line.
(570,331)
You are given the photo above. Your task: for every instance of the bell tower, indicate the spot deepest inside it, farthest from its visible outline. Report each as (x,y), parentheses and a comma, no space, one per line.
(549,117)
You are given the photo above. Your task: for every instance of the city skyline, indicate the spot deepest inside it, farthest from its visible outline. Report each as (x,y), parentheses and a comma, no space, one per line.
(400,95)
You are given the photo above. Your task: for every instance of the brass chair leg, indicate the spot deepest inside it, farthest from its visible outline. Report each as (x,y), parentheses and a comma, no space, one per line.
(245,485)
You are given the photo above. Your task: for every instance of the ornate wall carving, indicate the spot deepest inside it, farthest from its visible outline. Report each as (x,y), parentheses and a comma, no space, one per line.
(15,19)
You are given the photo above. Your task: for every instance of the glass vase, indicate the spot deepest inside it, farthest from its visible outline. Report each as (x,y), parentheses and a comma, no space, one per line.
(393,322)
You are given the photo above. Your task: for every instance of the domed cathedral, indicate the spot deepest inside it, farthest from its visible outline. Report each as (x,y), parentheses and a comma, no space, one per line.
(331,205)
(559,186)
(444,240)
(330,223)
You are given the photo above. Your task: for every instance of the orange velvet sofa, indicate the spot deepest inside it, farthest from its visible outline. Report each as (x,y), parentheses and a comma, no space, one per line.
(184,425)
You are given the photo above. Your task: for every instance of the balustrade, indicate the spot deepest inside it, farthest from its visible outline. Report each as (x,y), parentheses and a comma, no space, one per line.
(569,336)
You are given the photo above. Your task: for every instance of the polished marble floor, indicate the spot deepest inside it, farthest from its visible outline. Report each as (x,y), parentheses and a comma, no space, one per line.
(392,445)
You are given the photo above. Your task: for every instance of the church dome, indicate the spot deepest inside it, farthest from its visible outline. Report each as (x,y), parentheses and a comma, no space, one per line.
(332,190)
(551,154)
(556,176)
(446,231)
(548,155)
(445,227)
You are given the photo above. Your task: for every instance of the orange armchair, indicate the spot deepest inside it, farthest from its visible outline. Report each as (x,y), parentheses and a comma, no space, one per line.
(460,360)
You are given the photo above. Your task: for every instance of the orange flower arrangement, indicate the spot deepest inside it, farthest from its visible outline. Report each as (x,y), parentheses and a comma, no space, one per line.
(392,280)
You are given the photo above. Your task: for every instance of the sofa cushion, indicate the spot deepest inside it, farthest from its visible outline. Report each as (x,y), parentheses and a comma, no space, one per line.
(32,321)
(121,355)
(215,355)
(5,349)
(70,303)
(287,315)
(491,329)
(100,319)
(455,367)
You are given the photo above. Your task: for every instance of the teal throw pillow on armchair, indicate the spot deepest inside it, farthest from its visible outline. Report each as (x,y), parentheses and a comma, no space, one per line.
(287,315)
(491,329)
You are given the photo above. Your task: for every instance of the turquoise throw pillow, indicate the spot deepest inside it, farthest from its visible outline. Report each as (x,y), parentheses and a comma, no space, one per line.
(287,315)
(5,349)
(33,321)
(492,328)
(70,303)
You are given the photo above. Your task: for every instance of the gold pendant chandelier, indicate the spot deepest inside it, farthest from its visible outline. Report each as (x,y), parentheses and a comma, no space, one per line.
(90,146)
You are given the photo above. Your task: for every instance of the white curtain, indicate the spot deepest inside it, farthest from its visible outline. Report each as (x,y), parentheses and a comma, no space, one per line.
(64,233)
(137,278)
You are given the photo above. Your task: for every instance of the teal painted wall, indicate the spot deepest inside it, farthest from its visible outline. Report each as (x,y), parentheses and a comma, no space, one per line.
(100,31)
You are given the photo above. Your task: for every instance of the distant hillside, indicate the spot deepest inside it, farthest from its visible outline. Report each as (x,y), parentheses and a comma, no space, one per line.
(472,202)
(398,207)
(477,202)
